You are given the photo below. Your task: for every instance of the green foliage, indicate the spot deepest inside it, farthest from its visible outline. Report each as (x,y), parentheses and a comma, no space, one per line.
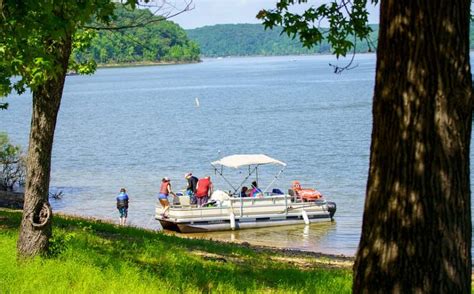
(32,31)
(82,40)
(111,259)
(253,39)
(348,21)
(59,243)
(158,41)
(12,164)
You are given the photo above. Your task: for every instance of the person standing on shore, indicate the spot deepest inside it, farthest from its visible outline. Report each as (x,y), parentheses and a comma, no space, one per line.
(122,206)
(191,187)
(165,191)
(203,190)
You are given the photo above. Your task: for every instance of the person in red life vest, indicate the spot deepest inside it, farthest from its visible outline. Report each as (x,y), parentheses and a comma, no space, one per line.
(165,191)
(203,190)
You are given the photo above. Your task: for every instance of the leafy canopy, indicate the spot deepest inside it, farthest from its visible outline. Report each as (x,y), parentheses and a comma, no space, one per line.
(347,20)
(156,40)
(31,31)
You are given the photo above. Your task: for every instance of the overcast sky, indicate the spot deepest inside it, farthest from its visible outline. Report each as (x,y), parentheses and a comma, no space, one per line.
(210,12)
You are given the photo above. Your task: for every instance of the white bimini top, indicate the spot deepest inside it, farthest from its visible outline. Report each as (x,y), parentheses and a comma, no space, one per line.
(239,160)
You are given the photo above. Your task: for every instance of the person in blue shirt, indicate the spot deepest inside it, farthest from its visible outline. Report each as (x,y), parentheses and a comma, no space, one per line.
(122,206)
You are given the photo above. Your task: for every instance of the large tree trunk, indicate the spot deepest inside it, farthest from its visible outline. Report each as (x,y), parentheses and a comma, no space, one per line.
(35,229)
(416,232)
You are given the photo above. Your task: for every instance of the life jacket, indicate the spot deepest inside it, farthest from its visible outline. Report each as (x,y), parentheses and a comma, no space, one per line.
(305,193)
(164,188)
(203,186)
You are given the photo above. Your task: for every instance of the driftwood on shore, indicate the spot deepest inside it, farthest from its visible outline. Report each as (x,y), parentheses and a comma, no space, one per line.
(11,199)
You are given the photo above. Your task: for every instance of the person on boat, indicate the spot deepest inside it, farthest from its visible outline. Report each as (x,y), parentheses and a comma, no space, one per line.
(244,191)
(203,190)
(191,187)
(305,194)
(256,191)
(165,191)
(122,206)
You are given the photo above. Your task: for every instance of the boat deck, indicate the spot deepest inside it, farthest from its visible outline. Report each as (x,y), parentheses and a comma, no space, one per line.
(240,213)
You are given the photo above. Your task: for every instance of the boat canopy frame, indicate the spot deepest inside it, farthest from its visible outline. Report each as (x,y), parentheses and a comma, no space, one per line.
(253,161)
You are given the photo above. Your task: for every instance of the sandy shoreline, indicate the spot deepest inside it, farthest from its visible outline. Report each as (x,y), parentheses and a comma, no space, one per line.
(301,258)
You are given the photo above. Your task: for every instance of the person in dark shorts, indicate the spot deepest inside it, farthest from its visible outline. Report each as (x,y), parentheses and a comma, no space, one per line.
(203,191)
(122,206)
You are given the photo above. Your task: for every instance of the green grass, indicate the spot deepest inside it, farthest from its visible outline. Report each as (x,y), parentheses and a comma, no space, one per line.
(92,256)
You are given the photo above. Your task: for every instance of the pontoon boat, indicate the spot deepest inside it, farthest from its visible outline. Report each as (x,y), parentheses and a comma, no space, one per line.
(228,211)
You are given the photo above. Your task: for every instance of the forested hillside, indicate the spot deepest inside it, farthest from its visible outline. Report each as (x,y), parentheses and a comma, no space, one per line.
(251,39)
(160,41)
(165,41)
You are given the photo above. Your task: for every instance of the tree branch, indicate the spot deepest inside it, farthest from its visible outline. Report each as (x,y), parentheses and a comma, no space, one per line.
(150,20)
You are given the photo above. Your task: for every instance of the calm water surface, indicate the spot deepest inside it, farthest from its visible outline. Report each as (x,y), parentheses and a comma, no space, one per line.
(129,127)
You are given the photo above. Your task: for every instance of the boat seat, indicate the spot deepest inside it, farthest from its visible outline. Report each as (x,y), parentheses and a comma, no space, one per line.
(294,195)
(184,200)
(277,192)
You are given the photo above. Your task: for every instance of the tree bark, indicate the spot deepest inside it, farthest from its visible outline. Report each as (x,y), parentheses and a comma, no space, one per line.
(416,231)
(35,229)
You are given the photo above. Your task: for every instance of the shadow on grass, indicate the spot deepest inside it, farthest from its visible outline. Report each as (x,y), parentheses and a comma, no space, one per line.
(10,219)
(182,263)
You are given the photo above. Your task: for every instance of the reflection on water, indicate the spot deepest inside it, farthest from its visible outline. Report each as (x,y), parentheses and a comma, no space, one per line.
(302,237)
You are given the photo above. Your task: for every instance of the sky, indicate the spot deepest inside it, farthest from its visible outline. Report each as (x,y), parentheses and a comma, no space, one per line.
(211,12)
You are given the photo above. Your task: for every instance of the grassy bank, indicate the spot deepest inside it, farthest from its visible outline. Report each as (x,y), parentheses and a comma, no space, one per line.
(91,256)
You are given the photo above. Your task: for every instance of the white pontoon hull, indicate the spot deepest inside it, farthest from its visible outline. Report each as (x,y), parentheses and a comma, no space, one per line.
(237,213)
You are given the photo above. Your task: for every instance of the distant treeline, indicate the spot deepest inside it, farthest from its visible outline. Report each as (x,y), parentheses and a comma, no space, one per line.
(165,41)
(253,39)
(160,41)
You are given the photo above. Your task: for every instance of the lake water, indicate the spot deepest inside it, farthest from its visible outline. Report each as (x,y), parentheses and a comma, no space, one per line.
(129,127)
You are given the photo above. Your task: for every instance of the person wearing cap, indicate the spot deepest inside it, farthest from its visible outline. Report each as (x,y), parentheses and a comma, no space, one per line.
(191,187)
(165,191)
(203,190)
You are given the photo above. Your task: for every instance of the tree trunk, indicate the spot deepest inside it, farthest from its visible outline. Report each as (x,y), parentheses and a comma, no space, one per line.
(35,229)
(416,231)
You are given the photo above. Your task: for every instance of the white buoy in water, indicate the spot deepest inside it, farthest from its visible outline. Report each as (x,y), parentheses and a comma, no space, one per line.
(197,102)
